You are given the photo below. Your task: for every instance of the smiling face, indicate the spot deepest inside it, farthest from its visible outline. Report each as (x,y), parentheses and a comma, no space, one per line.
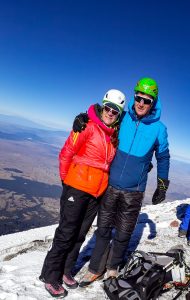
(141,108)
(109,115)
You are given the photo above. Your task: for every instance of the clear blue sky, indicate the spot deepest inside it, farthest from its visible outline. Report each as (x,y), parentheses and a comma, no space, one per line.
(58,57)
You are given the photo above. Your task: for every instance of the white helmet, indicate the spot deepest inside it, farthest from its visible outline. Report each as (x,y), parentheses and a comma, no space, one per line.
(115,97)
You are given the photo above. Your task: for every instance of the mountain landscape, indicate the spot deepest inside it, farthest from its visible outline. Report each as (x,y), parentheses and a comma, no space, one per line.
(30,187)
(29,178)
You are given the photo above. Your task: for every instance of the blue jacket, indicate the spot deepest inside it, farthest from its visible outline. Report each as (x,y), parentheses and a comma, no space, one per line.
(138,140)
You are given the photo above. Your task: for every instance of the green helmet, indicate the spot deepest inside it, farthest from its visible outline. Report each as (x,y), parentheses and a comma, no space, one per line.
(147,86)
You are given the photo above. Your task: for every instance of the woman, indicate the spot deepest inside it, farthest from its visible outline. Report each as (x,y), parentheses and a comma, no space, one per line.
(84,168)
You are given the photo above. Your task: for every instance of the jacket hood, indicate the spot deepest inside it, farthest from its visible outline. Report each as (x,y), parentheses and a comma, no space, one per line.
(153,116)
(95,118)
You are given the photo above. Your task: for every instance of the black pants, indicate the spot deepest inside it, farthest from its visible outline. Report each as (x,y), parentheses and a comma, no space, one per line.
(119,209)
(77,212)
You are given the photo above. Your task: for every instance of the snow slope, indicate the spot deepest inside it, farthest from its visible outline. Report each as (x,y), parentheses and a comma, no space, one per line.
(22,254)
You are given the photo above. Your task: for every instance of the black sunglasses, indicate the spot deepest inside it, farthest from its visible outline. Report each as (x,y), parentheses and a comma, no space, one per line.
(145,100)
(113,111)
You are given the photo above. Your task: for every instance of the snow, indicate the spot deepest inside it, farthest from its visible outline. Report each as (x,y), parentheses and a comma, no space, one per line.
(22,254)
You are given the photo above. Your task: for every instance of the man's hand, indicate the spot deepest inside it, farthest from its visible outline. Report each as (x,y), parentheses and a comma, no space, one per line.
(160,193)
(80,122)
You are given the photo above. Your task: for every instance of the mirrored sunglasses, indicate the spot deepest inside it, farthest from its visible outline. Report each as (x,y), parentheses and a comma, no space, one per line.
(109,109)
(145,100)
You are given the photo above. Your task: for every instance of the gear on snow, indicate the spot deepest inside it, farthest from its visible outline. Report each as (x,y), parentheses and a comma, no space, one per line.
(146,274)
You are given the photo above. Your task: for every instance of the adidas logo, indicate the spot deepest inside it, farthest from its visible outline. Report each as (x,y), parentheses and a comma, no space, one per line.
(71,199)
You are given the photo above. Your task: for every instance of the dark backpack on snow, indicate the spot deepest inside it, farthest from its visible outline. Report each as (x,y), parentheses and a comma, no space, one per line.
(143,276)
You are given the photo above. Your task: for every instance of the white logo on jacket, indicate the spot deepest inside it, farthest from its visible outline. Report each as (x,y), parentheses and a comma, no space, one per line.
(71,199)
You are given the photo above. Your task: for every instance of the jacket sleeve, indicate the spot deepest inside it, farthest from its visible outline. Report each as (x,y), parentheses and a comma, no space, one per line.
(71,147)
(162,154)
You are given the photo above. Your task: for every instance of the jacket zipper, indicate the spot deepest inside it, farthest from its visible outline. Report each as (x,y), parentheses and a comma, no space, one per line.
(106,152)
(137,125)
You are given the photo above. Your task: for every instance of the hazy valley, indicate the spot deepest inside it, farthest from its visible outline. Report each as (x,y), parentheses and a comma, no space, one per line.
(30,187)
(29,179)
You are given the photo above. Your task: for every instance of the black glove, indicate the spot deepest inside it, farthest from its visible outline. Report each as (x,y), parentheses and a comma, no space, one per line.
(160,192)
(80,122)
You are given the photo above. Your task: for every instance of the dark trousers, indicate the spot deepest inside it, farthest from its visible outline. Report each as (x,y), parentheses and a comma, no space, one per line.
(119,209)
(77,212)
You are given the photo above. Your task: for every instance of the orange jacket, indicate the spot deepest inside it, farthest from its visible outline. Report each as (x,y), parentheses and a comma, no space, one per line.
(86,157)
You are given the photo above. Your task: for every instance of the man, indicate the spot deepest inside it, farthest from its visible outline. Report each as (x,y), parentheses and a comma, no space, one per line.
(141,135)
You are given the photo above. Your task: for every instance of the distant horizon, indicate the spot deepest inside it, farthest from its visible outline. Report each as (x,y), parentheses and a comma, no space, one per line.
(48,124)
(44,125)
